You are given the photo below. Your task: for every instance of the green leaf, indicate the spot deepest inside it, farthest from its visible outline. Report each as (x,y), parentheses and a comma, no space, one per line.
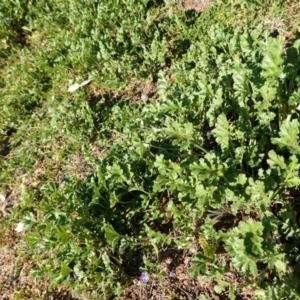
(112,237)
(220,287)
(199,265)
(288,135)
(291,182)
(276,160)
(256,189)
(209,167)
(272,63)
(181,134)
(106,260)
(33,240)
(244,243)
(113,199)
(78,272)
(215,105)
(231,294)
(241,179)
(281,266)
(162,85)
(208,249)
(268,93)
(64,271)
(157,237)
(241,81)
(292,172)
(222,131)
(242,261)
(265,118)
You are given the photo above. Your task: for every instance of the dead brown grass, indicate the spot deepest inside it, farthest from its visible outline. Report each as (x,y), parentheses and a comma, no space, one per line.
(197,5)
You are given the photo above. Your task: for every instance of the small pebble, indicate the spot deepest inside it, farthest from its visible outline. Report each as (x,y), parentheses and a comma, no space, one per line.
(144,97)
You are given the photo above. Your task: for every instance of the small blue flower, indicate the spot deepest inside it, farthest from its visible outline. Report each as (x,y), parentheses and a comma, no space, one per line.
(144,277)
(171,274)
(7,19)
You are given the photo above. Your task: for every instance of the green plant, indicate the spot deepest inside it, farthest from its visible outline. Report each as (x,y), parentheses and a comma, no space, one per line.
(106,184)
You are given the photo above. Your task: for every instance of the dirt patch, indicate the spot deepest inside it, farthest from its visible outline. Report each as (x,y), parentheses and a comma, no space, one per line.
(138,88)
(197,5)
(76,164)
(15,280)
(137,91)
(8,198)
(175,282)
(7,267)
(285,23)
(172,281)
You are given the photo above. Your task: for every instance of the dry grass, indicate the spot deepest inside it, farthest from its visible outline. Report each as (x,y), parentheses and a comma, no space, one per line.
(176,284)
(197,5)
(16,282)
(133,92)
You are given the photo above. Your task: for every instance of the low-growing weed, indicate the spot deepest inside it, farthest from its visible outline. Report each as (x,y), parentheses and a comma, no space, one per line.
(175,169)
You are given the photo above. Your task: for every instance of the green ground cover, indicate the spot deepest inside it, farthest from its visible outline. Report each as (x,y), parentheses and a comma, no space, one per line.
(172,172)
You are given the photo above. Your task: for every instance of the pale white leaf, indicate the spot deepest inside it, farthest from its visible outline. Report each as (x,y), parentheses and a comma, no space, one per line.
(2,198)
(20,227)
(74,87)
(83,83)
